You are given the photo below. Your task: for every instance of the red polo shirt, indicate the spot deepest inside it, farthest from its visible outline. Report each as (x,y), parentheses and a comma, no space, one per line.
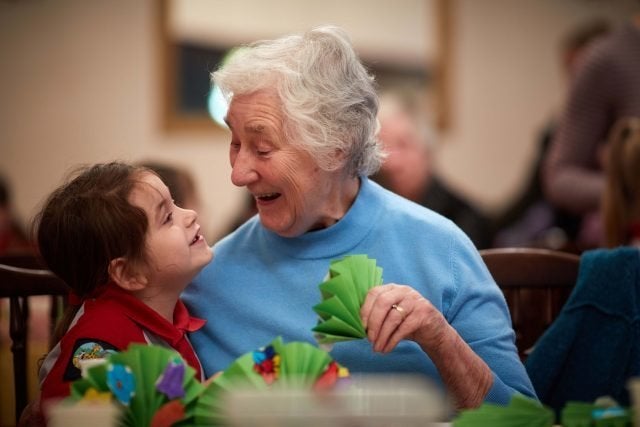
(110,322)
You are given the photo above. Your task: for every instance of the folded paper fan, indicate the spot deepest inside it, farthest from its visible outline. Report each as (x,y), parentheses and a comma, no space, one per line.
(295,365)
(521,411)
(143,380)
(343,293)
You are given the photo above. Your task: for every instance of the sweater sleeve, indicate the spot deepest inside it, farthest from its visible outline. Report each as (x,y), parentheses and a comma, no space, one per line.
(479,313)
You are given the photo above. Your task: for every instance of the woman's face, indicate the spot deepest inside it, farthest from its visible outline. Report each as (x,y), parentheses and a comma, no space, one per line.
(293,195)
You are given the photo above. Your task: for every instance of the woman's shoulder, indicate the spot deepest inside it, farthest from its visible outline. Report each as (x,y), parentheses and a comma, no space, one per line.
(406,213)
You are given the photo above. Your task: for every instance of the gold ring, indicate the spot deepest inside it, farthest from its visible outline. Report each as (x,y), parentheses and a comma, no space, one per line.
(399,310)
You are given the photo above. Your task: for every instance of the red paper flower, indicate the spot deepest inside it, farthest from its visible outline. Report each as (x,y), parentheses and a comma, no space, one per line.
(267,364)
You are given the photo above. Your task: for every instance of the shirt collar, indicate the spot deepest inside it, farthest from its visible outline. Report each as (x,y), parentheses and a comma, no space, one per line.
(150,319)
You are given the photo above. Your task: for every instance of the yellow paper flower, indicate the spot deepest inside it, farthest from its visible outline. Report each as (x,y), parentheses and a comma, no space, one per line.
(93,397)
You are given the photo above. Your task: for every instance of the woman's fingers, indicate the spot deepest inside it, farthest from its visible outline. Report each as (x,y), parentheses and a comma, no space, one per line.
(370,319)
(395,320)
(393,312)
(385,308)
(403,331)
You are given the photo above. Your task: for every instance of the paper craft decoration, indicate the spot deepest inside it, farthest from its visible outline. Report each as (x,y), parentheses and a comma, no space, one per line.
(580,414)
(152,385)
(295,365)
(521,411)
(343,294)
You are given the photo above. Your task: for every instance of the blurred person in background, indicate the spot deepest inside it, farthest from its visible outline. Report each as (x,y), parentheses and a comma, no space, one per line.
(13,238)
(246,211)
(531,219)
(621,199)
(606,88)
(410,167)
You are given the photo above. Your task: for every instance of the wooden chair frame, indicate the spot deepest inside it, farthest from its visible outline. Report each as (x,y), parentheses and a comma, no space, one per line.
(18,284)
(536,284)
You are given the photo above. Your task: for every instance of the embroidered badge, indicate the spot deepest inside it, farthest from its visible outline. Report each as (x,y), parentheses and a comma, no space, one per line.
(86,349)
(89,350)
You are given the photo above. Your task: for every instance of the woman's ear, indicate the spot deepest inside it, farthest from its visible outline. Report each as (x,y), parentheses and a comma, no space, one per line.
(122,273)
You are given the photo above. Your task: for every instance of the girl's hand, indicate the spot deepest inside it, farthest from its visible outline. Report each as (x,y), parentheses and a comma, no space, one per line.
(212,378)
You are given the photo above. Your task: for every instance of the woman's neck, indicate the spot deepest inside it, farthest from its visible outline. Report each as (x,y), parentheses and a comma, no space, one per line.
(346,198)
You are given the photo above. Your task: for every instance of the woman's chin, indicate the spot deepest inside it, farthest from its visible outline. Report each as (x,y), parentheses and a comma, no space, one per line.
(281,228)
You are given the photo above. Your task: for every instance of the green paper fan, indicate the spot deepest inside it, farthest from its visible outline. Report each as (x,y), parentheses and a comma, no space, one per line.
(147,364)
(521,411)
(343,294)
(298,365)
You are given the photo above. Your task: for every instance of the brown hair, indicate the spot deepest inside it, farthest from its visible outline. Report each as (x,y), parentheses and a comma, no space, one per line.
(179,181)
(621,199)
(89,221)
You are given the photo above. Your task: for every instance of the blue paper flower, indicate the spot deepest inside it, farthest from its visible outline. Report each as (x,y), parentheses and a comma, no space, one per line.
(261,355)
(171,381)
(121,382)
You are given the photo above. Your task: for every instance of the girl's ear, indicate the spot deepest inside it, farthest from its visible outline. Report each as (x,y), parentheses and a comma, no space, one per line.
(121,272)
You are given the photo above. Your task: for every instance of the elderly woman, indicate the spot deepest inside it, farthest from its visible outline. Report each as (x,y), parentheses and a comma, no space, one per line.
(302,116)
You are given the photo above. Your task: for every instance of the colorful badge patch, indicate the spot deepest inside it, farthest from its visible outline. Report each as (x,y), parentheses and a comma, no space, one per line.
(89,350)
(86,349)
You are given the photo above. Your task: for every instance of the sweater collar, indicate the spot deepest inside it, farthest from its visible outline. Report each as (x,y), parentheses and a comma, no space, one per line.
(337,239)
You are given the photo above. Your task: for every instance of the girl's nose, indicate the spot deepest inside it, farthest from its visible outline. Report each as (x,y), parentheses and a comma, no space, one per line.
(190,216)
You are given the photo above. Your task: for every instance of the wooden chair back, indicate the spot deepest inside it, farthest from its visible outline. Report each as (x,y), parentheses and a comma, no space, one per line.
(536,283)
(22,277)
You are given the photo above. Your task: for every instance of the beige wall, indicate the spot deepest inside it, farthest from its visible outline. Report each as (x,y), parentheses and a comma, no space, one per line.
(80,84)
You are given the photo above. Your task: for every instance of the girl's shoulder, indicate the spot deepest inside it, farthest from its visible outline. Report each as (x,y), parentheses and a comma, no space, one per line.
(104,320)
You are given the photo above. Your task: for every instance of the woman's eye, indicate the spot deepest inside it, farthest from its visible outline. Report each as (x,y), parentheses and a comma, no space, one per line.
(169,218)
(263,149)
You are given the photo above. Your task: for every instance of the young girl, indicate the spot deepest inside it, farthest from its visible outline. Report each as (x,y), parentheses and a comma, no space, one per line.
(621,200)
(114,235)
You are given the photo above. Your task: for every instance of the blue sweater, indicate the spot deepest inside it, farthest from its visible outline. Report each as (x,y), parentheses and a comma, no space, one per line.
(261,285)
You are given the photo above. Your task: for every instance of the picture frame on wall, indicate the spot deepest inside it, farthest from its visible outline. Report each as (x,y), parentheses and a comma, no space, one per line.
(194,37)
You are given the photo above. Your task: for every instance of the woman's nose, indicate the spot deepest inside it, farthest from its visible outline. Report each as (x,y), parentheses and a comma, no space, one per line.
(242,169)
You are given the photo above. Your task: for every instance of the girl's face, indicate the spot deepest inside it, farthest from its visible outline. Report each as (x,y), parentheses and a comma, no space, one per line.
(175,249)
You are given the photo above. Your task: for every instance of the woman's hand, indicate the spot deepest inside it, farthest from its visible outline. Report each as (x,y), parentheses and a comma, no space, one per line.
(393,312)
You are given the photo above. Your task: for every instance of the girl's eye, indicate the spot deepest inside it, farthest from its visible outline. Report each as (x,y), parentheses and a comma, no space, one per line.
(169,218)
